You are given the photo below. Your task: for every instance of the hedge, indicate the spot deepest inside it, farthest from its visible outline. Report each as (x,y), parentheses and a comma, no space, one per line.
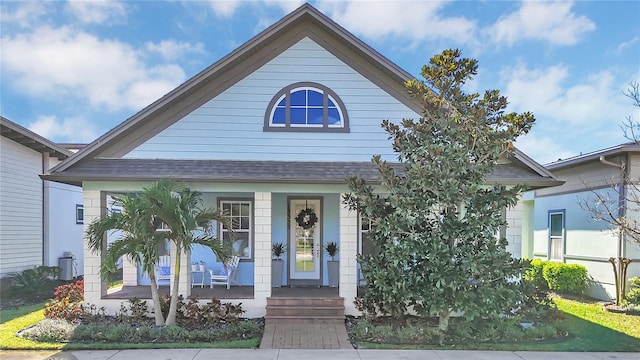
(560,277)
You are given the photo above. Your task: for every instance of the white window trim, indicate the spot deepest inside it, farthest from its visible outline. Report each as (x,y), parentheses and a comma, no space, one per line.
(250,231)
(562,236)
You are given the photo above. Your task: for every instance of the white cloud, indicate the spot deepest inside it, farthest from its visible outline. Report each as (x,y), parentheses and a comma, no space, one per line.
(407,19)
(171,50)
(61,62)
(25,14)
(591,102)
(623,46)
(543,149)
(224,8)
(97,12)
(549,21)
(72,129)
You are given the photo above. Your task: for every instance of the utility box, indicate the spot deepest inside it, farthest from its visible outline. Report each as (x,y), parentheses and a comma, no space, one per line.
(66,268)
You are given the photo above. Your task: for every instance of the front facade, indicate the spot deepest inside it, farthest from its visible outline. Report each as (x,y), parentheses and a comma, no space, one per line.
(40,221)
(269,134)
(563,230)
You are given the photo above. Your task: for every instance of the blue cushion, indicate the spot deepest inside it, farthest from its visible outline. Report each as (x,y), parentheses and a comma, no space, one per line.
(223,272)
(164,270)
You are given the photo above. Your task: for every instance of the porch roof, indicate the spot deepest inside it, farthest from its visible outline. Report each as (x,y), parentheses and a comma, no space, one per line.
(299,172)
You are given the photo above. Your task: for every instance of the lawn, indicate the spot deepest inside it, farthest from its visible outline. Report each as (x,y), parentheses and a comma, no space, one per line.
(592,329)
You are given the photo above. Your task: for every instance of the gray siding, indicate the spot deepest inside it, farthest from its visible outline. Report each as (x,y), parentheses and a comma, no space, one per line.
(230,126)
(20,207)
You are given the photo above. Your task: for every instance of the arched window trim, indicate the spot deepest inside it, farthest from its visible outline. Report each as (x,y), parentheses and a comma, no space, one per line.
(328,94)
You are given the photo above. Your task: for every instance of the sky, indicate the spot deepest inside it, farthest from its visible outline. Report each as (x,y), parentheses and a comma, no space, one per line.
(72,70)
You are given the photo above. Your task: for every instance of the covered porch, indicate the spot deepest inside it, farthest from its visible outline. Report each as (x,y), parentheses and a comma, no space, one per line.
(271,220)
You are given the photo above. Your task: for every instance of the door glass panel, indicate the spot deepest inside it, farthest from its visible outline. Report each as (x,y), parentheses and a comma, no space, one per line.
(305,259)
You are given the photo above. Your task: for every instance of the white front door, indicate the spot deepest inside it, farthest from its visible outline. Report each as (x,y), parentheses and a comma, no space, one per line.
(304,241)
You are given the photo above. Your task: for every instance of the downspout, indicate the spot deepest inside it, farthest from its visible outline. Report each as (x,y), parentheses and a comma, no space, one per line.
(45,213)
(621,198)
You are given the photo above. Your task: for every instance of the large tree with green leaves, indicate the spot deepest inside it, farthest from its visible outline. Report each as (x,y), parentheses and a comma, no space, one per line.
(434,218)
(139,241)
(189,223)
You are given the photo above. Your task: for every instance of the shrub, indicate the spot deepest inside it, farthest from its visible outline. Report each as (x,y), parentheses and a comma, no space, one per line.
(534,274)
(67,302)
(632,298)
(37,281)
(50,330)
(567,278)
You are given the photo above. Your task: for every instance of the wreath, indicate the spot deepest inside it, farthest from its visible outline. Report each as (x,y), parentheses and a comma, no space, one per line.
(306,218)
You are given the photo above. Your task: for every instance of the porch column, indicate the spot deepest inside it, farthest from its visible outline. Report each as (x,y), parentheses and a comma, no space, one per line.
(129,272)
(348,251)
(262,249)
(185,271)
(95,206)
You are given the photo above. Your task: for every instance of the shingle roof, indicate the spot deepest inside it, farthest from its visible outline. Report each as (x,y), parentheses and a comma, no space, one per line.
(300,172)
(28,138)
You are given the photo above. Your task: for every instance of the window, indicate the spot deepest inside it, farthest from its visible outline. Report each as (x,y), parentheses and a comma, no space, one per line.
(556,235)
(241,221)
(366,247)
(306,107)
(79,214)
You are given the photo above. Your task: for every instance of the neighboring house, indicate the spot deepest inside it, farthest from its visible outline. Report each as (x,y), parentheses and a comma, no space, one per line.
(269,130)
(40,221)
(561,230)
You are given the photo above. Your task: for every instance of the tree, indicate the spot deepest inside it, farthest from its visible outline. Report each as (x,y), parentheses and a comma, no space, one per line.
(139,241)
(180,209)
(434,218)
(619,208)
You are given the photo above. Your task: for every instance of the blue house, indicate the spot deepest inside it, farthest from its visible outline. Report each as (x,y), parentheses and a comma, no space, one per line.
(269,133)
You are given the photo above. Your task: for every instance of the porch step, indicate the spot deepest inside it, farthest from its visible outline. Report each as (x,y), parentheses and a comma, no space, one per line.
(305,308)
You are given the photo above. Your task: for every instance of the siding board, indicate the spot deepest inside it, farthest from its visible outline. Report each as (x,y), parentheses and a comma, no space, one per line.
(230,126)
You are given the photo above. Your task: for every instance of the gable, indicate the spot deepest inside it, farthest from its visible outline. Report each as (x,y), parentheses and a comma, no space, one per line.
(231,125)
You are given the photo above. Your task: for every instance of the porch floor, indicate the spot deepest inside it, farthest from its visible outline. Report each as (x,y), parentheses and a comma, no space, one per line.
(218,292)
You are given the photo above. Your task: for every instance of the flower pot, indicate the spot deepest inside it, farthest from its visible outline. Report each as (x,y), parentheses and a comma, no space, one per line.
(333,268)
(194,268)
(201,267)
(277,267)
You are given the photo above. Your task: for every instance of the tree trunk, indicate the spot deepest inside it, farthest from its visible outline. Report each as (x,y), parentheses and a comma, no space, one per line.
(173,308)
(157,309)
(443,319)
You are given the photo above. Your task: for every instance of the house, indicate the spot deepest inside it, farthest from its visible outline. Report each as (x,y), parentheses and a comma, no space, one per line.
(40,221)
(267,132)
(563,230)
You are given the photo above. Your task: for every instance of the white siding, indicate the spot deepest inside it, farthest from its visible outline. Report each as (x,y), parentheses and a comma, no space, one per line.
(63,234)
(230,126)
(20,207)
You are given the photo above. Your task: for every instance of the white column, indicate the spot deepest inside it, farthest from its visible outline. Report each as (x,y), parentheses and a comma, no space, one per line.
(348,264)
(129,272)
(95,206)
(262,250)
(514,229)
(185,271)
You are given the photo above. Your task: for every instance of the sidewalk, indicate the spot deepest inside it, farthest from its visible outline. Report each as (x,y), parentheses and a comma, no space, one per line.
(306,354)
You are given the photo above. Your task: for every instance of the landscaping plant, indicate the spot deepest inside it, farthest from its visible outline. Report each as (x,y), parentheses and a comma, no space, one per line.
(435,217)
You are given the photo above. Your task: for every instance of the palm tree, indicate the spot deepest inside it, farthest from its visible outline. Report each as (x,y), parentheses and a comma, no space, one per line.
(139,242)
(180,210)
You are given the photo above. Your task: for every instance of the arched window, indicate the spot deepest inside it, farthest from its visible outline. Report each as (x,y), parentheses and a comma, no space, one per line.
(306,107)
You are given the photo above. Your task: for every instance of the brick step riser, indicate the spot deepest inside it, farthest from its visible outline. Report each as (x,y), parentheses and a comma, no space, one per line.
(304,312)
(305,302)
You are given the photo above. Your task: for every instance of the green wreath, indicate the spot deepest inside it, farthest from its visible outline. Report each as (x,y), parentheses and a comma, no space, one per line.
(306,218)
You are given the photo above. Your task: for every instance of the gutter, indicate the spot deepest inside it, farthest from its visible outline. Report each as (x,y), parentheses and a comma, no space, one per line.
(622,207)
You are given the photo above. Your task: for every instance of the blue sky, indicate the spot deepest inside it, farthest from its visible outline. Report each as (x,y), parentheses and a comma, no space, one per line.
(71,71)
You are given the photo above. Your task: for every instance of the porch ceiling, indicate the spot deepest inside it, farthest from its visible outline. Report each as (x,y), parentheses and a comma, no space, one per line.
(299,172)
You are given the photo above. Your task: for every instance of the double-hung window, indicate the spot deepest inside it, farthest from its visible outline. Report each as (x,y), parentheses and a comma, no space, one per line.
(556,235)
(240,216)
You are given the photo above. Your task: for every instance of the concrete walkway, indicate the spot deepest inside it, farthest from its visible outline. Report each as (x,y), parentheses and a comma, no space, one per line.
(305,334)
(306,354)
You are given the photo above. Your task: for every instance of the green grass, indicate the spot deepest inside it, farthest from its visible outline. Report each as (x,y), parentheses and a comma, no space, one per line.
(11,321)
(591,327)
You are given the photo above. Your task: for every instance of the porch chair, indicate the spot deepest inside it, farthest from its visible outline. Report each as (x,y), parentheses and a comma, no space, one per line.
(163,269)
(228,274)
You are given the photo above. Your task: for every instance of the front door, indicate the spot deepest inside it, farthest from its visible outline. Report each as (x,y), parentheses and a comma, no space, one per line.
(304,241)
